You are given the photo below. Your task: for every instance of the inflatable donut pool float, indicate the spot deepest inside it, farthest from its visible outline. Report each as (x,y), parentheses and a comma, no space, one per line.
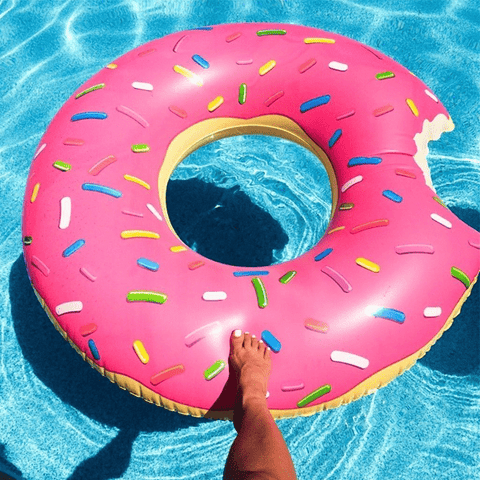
(154,316)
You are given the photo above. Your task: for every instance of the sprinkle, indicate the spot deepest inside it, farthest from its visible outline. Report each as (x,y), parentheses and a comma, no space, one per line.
(248,61)
(242,93)
(94,349)
(36,262)
(474,243)
(336,229)
(140,148)
(350,359)
(384,75)
(346,206)
(87,274)
(318,40)
(89,116)
(412,106)
(40,150)
(274,98)
(105,162)
(432,312)
(146,296)
(214,296)
(334,138)
(267,67)
(438,200)
(27,240)
(133,214)
(175,48)
(188,74)
(316,325)
(139,234)
(215,103)
(75,142)
(293,386)
(166,374)
(307,65)
(386,313)
(69,307)
(195,265)
(351,182)
(154,211)
(88,329)
(178,111)
(141,352)
(214,370)
(200,333)
(134,115)
(369,265)
(414,248)
(73,248)
(431,95)
(201,61)
(112,66)
(248,273)
(382,110)
(441,220)
(346,115)
(314,102)
(287,277)
(459,275)
(136,180)
(262,33)
(148,264)
(178,248)
(233,37)
(271,341)
(405,173)
(36,188)
(373,224)
(90,89)
(323,254)
(147,52)
(392,196)
(341,67)
(261,292)
(339,279)
(93,187)
(353,162)
(62,166)
(65,212)
(314,395)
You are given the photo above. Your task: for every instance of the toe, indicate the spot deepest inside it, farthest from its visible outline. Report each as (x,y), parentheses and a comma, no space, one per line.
(236,339)
(254,342)
(247,341)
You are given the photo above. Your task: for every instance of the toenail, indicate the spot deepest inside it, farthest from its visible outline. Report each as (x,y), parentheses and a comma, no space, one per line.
(237,333)
(247,333)
(260,341)
(253,336)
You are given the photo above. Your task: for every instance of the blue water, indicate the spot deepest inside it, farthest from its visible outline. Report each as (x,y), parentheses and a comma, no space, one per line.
(59,419)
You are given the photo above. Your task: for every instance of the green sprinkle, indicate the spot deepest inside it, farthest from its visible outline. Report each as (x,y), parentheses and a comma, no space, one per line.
(288,276)
(91,89)
(262,33)
(346,206)
(459,275)
(242,94)
(437,199)
(314,395)
(27,240)
(146,296)
(384,75)
(260,291)
(140,148)
(214,370)
(63,166)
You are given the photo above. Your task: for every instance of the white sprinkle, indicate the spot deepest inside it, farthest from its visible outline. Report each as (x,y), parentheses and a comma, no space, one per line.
(142,86)
(432,312)
(342,67)
(214,296)
(431,95)
(351,182)
(154,211)
(350,358)
(40,150)
(441,220)
(68,307)
(65,212)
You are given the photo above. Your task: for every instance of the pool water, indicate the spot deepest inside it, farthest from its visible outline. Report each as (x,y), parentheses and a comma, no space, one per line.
(59,419)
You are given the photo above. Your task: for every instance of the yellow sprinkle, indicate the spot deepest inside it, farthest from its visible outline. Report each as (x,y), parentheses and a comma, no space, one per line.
(319,40)
(267,67)
(112,66)
(140,351)
(139,234)
(363,262)
(214,104)
(130,178)
(178,248)
(335,230)
(35,192)
(412,106)
(189,74)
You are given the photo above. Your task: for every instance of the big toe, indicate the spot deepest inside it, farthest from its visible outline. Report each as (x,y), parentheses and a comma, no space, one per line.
(236,340)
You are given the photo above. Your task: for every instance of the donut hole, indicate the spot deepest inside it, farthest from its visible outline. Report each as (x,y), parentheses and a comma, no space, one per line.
(250,200)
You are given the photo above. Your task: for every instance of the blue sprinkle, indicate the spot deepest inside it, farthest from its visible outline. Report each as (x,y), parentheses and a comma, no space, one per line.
(334,138)
(93,187)
(364,161)
(201,61)
(323,254)
(314,102)
(250,273)
(390,314)
(73,248)
(94,349)
(271,341)
(392,196)
(148,264)
(203,28)
(89,115)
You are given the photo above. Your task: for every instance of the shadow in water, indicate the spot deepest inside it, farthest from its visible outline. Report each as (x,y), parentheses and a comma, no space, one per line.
(8,471)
